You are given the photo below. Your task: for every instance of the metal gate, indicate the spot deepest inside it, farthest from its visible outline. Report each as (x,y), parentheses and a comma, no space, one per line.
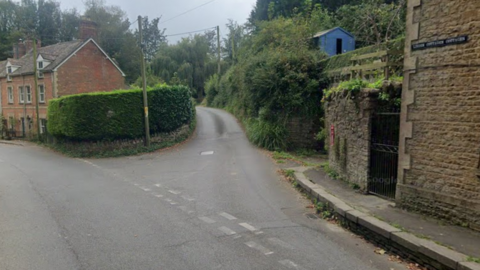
(385,136)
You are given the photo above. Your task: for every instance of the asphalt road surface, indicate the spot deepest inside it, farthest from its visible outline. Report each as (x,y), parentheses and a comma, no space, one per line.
(215,202)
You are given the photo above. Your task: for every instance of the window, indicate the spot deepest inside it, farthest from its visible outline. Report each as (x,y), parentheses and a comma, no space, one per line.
(43,126)
(29,94)
(9,70)
(10,94)
(40,65)
(41,93)
(11,120)
(21,95)
(40,74)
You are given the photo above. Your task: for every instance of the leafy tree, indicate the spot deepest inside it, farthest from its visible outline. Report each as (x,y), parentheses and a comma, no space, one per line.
(152,37)
(49,21)
(69,24)
(373,21)
(189,62)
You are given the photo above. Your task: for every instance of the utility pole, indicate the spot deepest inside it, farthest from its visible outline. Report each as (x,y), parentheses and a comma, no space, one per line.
(144,79)
(219,51)
(36,88)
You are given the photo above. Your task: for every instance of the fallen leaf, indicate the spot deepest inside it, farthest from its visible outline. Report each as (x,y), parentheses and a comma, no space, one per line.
(380,251)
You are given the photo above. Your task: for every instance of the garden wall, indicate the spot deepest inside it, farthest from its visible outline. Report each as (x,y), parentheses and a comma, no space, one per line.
(347,122)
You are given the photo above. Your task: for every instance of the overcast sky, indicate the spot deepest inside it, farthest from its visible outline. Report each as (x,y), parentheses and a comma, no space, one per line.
(215,13)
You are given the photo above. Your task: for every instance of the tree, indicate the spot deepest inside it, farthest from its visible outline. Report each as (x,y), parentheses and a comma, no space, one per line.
(49,21)
(233,40)
(374,21)
(189,62)
(152,37)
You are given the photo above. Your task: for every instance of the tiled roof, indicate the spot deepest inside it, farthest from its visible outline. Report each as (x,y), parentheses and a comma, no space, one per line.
(56,53)
(319,34)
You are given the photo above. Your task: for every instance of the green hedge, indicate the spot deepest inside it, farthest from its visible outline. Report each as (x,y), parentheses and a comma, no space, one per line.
(119,114)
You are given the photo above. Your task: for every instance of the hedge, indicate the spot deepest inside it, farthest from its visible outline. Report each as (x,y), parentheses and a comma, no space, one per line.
(119,114)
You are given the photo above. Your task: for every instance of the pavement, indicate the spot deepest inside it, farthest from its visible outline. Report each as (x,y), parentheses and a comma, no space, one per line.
(215,202)
(453,246)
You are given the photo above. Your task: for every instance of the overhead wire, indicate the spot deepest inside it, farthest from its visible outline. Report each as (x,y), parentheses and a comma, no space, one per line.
(191,32)
(188,11)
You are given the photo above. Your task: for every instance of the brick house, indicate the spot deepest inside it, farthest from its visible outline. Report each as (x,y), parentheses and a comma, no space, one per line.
(439,154)
(67,68)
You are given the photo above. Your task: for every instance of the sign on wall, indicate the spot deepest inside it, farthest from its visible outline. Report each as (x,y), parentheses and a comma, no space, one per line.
(440,43)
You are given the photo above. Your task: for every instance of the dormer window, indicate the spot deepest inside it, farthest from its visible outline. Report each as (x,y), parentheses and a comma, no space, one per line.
(9,70)
(40,65)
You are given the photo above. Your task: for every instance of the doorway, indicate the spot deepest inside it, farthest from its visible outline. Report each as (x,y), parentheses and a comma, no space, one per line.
(339,46)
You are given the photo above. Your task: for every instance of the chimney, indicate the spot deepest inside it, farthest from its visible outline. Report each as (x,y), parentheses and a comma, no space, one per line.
(88,29)
(23,47)
(19,50)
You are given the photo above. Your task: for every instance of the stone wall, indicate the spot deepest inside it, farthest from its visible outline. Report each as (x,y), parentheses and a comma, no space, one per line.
(302,133)
(440,122)
(350,150)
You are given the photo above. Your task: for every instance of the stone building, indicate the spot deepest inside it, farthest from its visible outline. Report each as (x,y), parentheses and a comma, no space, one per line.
(67,68)
(439,154)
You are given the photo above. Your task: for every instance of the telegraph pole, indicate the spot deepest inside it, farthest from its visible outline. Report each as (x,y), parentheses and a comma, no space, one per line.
(35,79)
(219,51)
(144,80)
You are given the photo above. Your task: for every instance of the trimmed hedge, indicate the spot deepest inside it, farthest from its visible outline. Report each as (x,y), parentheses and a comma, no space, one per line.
(119,114)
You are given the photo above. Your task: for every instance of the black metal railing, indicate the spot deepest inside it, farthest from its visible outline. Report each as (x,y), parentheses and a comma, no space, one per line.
(385,135)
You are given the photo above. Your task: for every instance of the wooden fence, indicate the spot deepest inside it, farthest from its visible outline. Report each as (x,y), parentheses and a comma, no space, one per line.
(367,63)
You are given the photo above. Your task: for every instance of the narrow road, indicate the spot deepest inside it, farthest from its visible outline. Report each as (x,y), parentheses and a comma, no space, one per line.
(215,202)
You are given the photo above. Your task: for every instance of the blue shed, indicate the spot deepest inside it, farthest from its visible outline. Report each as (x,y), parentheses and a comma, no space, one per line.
(335,41)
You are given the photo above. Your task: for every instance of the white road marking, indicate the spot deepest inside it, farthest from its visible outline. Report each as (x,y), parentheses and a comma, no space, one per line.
(259,247)
(90,163)
(188,198)
(207,220)
(174,192)
(158,195)
(259,232)
(248,227)
(279,242)
(158,185)
(291,265)
(206,153)
(237,236)
(227,216)
(227,231)
(146,189)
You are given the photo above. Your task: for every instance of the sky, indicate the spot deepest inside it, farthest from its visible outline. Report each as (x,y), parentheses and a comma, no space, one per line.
(215,12)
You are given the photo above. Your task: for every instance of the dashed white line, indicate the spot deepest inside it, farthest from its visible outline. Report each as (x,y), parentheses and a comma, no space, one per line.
(291,265)
(188,198)
(259,247)
(227,216)
(174,192)
(158,185)
(207,220)
(227,231)
(248,227)
(279,242)
(206,153)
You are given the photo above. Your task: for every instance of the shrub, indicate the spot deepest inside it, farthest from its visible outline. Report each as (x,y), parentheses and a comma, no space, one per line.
(271,136)
(118,114)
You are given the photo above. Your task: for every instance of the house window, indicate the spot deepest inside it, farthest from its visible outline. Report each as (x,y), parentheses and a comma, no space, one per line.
(29,94)
(11,121)
(40,65)
(21,95)
(9,70)
(41,93)
(43,126)
(10,94)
